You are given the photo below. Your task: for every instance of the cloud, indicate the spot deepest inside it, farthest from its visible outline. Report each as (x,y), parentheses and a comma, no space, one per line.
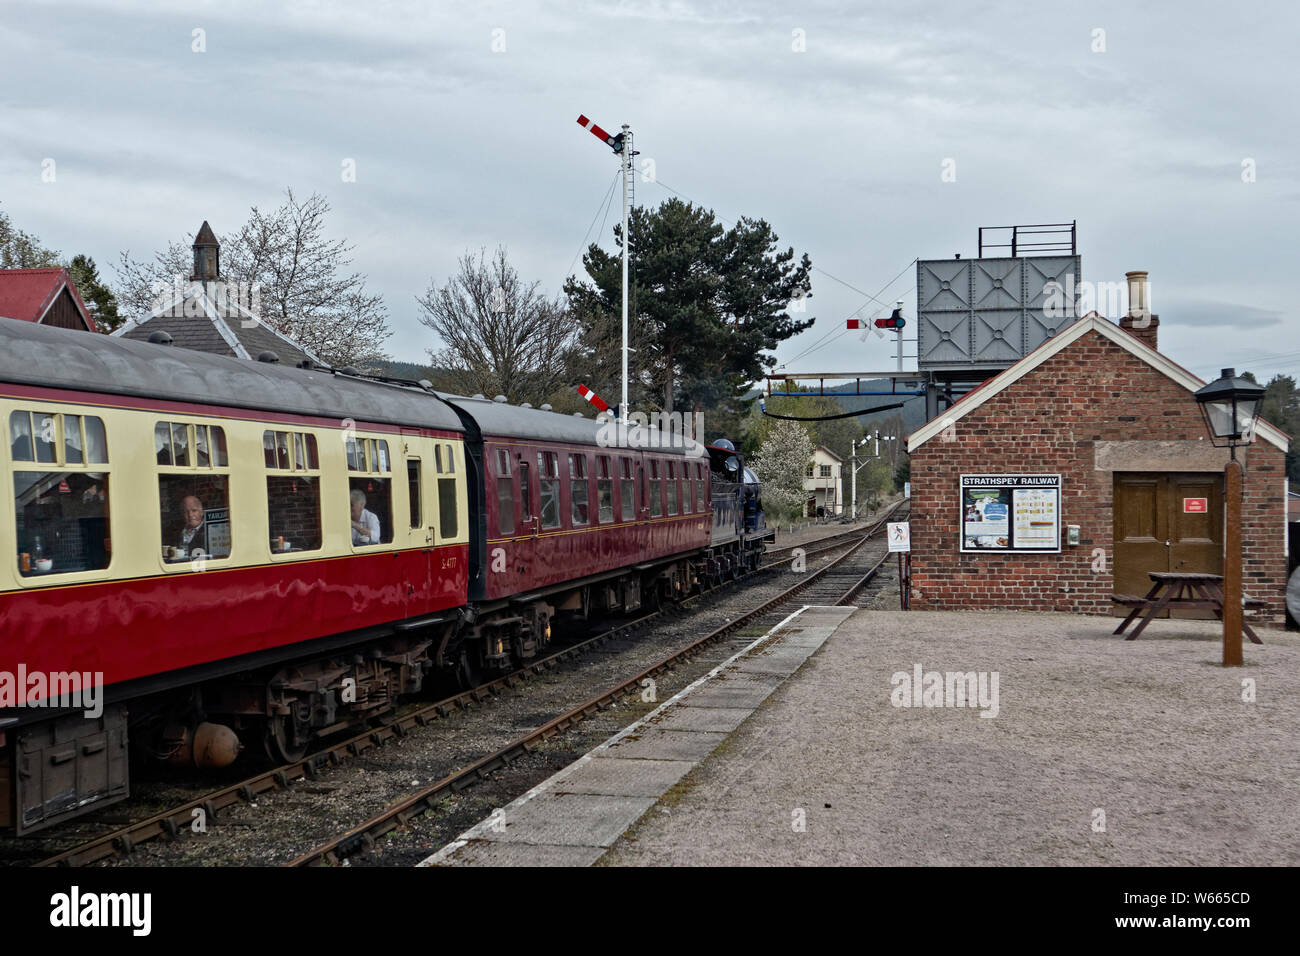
(1230,316)
(839,146)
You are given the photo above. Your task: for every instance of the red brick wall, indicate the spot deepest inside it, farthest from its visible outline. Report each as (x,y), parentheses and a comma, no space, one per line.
(1048,422)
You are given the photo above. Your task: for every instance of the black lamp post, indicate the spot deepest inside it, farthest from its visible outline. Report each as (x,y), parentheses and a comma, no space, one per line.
(1231,406)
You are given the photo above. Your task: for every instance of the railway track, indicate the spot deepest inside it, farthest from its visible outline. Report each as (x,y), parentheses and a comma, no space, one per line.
(176,821)
(837,583)
(817,545)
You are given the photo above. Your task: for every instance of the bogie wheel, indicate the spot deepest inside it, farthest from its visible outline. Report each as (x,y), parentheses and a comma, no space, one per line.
(468,672)
(280,745)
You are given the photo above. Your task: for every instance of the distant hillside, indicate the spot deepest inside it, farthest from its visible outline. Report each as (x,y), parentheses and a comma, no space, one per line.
(407,370)
(913,411)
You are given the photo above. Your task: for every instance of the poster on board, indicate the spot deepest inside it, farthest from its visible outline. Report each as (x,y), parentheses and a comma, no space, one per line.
(1010,513)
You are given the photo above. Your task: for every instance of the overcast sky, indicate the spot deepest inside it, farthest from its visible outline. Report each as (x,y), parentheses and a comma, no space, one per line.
(841,145)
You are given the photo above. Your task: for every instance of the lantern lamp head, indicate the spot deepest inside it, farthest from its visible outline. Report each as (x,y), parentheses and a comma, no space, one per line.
(1230,405)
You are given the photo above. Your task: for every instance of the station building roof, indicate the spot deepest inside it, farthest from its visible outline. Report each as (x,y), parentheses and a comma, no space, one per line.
(1053,346)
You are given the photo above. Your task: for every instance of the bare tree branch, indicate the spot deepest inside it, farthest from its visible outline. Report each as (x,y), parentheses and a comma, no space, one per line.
(499,335)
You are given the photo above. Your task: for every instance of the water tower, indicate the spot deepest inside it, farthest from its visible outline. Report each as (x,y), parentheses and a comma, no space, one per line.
(976,317)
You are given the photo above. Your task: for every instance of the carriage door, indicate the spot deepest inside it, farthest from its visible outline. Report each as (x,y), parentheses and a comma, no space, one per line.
(525,545)
(419,570)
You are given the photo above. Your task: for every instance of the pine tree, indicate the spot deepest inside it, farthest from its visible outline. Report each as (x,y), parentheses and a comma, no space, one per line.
(99,299)
(710,305)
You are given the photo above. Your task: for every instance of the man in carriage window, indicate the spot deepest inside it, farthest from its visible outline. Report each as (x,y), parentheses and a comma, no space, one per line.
(365,524)
(193,531)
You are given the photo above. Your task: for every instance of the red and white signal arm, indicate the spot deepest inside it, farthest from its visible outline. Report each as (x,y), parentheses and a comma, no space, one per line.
(592,397)
(900,535)
(1196,506)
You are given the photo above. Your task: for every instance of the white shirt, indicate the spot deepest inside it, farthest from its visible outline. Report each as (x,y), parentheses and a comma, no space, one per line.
(371,523)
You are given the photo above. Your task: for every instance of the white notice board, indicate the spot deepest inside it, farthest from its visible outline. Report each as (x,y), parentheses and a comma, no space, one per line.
(900,535)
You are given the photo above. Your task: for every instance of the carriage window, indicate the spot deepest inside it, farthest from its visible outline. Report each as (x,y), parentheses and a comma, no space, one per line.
(194,498)
(525,493)
(604,491)
(20,436)
(370,493)
(293,491)
(656,491)
(505,494)
(180,445)
(413,490)
(447,507)
(451,461)
(548,475)
(97,443)
(672,488)
(61,514)
(45,429)
(627,490)
(579,504)
(699,487)
(62,521)
(42,429)
(220,459)
(72,439)
(506,506)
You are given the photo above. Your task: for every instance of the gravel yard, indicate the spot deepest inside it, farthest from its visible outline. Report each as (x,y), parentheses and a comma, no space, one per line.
(1103,752)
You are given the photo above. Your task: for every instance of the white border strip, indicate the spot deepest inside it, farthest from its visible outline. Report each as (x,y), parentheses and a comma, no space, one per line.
(484,826)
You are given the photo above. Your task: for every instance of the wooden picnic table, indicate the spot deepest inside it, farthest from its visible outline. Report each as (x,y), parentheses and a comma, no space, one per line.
(1175,590)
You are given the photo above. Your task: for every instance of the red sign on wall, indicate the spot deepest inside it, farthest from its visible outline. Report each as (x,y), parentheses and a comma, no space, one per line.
(1196,506)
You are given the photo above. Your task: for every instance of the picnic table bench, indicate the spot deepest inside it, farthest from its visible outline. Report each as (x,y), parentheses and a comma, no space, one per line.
(1175,590)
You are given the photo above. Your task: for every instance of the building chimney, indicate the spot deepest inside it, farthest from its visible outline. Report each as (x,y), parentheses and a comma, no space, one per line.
(1140,321)
(207,255)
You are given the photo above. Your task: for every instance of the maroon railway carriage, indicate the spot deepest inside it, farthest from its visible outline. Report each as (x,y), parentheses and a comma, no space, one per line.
(567,521)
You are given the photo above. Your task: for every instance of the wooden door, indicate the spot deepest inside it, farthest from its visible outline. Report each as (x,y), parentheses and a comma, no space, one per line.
(1166,522)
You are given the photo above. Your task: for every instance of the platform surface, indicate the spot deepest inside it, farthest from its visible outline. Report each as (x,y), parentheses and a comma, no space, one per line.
(573,817)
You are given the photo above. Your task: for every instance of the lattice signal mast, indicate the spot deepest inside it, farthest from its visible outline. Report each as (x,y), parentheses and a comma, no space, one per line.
(622,146)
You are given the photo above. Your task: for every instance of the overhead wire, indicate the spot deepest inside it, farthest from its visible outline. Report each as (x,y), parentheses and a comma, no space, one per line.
(604,204)
(834,334)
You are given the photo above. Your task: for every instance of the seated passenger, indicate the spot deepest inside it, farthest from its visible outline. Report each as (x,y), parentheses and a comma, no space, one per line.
(192,533)
(365,525)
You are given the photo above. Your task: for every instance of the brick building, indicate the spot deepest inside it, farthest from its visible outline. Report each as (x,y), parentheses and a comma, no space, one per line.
(1140,484)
